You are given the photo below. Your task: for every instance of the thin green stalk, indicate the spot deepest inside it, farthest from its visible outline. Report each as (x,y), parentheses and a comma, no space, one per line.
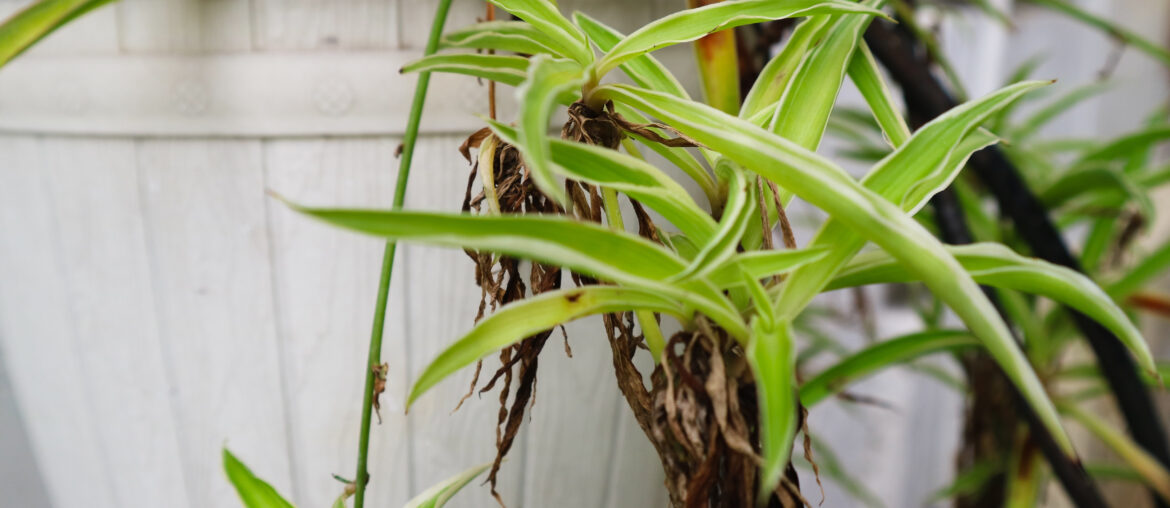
(375,353)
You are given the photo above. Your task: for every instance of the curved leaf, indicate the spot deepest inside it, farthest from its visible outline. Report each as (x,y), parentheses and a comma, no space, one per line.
(40,18)
(438,495)
(548,78)
(864,73)
(1141,273)
(737,215)
(1029,126)
(996,265)
(691,24)
(773,78)
(770,354)
(645,70)
(509,70)
(254,492)
(520,319)
(515,36)
(1128,144)
(829,188)
(803,110)
(876,357)
(1153,473)
(928,161)
(802,113)
(763,263)
(1084,180)
(633,176)
(544,16)
(583,247)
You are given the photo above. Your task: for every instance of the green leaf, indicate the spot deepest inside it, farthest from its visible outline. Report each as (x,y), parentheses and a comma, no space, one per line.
(1141,273)
(544,16)
(802,113)
(763,263)
(1097,242)
(40,18)
(509,70)
(587,248)
(691,24)
(998,121)
(924,164)
(864,73)
(548,78)
(804,108)
(1127,145)
(1152,472)
(830,188)
(515,36)
(254,492)
(878,356)
(1027,128)
(1085,180)
(770,354)
(520,319)
(996,265)
(630,175)
(438,495)
(737,215)
(773,78)
(645,70)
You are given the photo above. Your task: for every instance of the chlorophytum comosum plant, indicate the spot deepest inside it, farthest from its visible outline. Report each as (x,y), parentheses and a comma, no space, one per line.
(712,265)
(554,201)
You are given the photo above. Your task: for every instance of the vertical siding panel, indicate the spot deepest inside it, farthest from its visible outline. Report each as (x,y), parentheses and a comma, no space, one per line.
(184,26)
(442,302)
(326,280)
(635,477)
(204,207)
(570,442)
(93,187)
(37,333)
(325,24)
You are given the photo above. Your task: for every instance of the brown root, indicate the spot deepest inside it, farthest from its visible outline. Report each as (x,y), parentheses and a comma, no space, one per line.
(700,411)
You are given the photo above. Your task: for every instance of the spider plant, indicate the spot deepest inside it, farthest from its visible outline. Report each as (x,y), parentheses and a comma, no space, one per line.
(712,266)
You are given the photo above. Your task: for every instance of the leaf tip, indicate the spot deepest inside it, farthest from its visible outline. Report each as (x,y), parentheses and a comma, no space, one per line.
(280,197)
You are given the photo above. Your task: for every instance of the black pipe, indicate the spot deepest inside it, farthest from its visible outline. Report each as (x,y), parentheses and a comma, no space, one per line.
(1077,483)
